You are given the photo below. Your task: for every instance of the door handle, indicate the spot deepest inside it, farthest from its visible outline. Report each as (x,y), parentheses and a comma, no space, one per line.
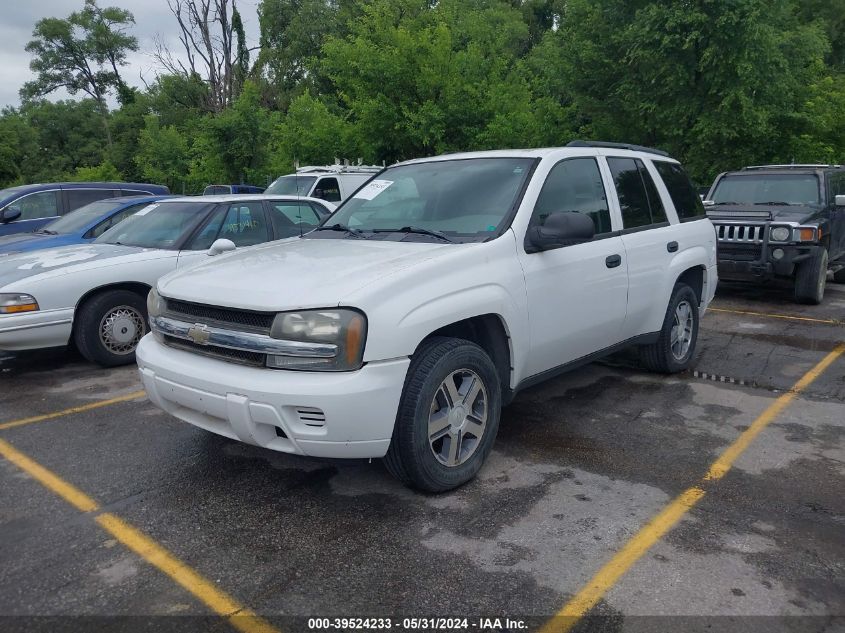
(672,247)
(613,261)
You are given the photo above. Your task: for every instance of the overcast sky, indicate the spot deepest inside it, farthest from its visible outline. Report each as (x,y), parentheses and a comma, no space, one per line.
(152,17)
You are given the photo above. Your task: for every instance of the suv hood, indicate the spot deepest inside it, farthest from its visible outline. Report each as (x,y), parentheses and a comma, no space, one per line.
(761,212)
(300,273)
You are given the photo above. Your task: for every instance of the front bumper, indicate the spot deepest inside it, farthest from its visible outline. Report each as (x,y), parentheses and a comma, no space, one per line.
(758,263)
(320,414)
(35,330)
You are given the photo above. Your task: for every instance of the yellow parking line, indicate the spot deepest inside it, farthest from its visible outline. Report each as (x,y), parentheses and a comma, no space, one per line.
(85,407)
(654,530)
(788,317)
(203,589)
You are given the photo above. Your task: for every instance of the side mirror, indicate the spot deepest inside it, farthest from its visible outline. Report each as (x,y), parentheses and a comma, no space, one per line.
(561,229)
(10,214)
(221,246)
(840,201)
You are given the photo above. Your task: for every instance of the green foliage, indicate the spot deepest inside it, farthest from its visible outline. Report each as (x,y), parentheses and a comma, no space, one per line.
(162,154)
(104,172)
(718,83)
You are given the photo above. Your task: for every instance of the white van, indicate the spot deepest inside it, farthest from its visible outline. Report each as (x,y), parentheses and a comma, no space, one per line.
(333,183)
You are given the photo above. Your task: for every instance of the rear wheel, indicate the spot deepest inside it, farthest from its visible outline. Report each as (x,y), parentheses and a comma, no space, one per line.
(109,326)
(448,416)
(675,347)
(811,278)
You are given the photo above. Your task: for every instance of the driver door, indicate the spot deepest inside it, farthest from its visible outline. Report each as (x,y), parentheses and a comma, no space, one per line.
(577,295)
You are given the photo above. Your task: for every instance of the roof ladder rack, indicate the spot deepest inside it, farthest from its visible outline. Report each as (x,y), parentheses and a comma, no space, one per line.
(629,146)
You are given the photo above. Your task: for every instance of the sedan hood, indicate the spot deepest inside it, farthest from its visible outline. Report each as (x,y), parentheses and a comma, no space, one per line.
(300,273)
(53,262)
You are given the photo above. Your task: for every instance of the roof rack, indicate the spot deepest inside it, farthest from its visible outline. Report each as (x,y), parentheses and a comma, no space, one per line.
(634,148)
(339,168)
(792,166)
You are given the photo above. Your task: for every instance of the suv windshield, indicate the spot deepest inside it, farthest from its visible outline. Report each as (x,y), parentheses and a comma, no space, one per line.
(164,225)
(291,185)
(467,200)
(767,189)
(79,219)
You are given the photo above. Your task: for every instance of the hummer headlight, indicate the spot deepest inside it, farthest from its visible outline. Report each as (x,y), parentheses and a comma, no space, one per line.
(343,329)
(780,234)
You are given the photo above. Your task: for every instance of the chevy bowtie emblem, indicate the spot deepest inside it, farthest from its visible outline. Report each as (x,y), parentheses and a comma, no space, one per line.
(199,334)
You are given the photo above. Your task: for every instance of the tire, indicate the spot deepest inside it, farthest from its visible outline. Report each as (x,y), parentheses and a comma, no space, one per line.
(445,462)
(109,326)
(811,277)
(668,355)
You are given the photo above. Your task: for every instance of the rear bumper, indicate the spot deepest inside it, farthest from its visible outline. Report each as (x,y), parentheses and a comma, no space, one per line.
(320,414)
(35,330)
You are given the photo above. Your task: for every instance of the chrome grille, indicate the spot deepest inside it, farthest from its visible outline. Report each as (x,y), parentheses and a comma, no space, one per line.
(740,233)
(194,311)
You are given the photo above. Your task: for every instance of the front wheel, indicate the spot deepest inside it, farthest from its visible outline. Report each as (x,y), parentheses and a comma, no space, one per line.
(811,277)
(109,327)
(448,416)
(674,348)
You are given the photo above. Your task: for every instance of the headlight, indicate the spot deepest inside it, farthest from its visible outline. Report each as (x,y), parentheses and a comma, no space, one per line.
(16,303)
(344,329)
(155,304)
(780,234)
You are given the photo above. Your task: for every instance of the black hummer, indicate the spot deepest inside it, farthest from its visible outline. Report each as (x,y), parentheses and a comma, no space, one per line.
(781,222)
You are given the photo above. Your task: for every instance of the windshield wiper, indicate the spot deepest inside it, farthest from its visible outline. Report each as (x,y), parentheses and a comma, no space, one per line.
(358,233)
(775,203)
(418,230)
(46,232)
(716,204)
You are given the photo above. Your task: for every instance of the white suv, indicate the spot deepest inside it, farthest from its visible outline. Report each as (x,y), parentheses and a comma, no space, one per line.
(400,327)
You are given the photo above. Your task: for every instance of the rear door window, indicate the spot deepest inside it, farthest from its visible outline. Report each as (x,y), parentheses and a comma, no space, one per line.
(638,197)
(292,218)
(80,197)
(687,202)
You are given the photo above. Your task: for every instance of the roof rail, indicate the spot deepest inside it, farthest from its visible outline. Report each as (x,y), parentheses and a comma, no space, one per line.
(793,166)
(339,168)
(635,148)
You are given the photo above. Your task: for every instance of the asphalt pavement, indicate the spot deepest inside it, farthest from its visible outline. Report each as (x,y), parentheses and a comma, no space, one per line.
(601,499)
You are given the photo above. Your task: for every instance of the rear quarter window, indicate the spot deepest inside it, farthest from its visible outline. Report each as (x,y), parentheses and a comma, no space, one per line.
(684,196)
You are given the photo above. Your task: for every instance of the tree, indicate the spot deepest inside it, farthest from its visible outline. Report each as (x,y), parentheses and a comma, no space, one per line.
(422,78)
(81,53)
(208,40)
(163,154)
(716,83)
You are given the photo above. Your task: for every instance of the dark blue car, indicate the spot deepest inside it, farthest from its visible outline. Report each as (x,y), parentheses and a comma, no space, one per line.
(225,190)
(78,227)
(29,207)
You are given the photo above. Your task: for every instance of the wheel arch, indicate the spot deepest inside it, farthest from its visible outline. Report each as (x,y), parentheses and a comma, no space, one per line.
(490,332)
(696,278)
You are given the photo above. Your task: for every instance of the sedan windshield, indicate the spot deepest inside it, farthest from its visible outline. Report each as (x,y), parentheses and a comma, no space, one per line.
(163,225)
(765,189)
(464,200)
(291,185)
(79,219)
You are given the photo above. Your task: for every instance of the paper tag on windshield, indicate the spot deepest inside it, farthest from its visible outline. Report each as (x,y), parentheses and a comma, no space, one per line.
(373,189)
(146,210)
